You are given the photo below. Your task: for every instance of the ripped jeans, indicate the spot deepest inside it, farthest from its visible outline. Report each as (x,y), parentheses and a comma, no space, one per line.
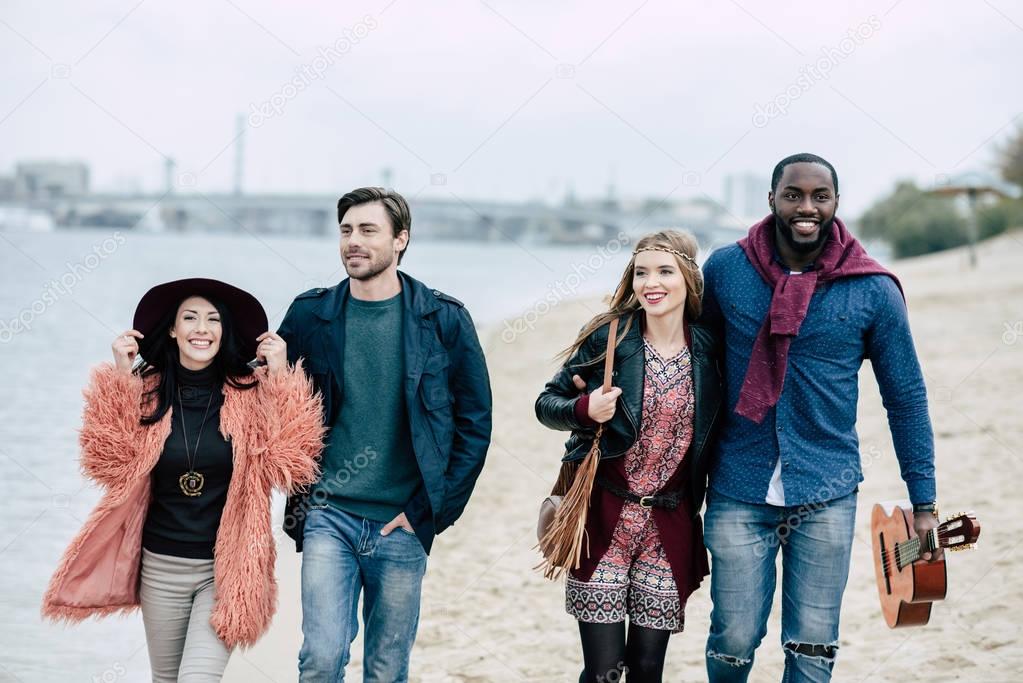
(743,539)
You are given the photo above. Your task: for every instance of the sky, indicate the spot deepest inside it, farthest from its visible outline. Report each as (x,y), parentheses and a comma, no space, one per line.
(509,100)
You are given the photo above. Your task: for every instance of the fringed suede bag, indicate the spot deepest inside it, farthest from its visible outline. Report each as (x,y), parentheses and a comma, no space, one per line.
(561,527)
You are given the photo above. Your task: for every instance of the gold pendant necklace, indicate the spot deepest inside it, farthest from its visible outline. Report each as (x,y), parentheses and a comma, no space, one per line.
(191,482)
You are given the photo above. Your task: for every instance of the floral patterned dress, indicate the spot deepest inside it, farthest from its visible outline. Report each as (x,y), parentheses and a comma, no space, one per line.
(633,578)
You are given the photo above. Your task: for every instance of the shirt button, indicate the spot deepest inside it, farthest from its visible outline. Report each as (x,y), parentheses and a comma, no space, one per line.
(779,428)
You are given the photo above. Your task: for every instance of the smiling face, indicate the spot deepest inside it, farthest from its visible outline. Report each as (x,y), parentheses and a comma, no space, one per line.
(804,205)
(658,283)
(198,331)
(368,243)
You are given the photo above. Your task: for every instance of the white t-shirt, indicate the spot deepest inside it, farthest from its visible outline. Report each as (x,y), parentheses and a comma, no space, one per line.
(775,489)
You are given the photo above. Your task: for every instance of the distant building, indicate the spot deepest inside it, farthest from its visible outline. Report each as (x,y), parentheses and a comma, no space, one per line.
(746,195)
(50,180)
(6,187)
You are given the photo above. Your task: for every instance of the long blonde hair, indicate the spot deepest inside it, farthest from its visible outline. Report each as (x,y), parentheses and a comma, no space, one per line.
(625,303)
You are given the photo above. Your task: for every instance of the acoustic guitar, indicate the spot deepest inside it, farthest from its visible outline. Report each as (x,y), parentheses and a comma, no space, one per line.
(909,587)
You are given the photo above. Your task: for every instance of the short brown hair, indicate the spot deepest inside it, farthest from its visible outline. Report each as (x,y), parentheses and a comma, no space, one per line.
(394,204)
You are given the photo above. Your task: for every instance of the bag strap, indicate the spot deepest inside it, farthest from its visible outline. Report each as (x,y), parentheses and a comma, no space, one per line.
(562,544)
(566,475)
(609,360)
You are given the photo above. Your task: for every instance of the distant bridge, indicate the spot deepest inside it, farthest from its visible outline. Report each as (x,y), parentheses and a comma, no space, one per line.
(455,218)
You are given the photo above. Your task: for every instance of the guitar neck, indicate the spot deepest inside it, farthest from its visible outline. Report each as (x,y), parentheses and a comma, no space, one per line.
(908,552)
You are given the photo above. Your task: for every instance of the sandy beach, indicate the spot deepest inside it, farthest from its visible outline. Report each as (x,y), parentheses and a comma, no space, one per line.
(487,616)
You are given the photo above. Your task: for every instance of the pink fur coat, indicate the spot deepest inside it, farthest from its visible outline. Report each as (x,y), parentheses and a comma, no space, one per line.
(276,434)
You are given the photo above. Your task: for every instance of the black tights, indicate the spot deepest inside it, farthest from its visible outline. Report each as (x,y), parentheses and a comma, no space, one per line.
(607,654)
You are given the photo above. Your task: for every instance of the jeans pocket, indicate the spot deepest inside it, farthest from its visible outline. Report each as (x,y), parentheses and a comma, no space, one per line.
(314,517)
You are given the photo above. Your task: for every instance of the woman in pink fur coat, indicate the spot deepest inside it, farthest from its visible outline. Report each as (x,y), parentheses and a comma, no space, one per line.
(188,444)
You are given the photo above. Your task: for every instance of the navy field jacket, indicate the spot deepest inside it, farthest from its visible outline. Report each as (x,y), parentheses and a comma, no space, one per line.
(447,393)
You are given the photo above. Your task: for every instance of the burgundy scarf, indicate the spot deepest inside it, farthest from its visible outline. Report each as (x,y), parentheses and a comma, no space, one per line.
(842,256)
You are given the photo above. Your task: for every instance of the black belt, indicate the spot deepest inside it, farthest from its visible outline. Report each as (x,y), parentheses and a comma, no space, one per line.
(661,500)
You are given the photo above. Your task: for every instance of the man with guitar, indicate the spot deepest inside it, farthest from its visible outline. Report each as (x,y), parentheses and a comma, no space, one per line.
(799,305)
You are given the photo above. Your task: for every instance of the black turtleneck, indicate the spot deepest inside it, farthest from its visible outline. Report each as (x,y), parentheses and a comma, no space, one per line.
(180,525)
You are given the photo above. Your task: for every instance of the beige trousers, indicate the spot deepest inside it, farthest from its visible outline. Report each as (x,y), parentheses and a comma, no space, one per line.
(177,599)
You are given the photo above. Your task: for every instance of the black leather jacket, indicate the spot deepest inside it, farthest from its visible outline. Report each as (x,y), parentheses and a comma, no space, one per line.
(555,407)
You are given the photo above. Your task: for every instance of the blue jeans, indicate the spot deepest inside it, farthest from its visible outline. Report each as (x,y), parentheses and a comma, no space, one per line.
(342,555)
(743,539)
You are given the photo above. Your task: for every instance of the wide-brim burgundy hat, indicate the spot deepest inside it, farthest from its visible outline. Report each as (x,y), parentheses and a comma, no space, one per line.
(249,317)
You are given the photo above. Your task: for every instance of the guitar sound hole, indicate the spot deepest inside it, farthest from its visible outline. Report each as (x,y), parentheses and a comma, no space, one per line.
(884,564)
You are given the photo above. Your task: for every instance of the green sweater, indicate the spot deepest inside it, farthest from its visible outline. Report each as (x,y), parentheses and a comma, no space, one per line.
(369,467)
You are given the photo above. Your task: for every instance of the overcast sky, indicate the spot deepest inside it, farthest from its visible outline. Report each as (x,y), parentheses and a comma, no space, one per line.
(509,100)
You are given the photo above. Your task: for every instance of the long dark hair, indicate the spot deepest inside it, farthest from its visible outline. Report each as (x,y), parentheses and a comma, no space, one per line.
(163,354)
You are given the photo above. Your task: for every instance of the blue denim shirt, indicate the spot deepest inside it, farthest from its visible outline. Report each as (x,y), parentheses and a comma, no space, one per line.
(813,426)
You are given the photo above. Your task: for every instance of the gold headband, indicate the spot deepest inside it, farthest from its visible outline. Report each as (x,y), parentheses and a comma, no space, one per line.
(676,252)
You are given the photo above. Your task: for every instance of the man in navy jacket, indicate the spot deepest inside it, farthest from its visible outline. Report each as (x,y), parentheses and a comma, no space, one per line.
(407,404)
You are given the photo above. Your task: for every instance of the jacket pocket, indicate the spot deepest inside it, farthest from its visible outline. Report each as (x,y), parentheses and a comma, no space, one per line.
(317,369)
(319,372)
(434,388)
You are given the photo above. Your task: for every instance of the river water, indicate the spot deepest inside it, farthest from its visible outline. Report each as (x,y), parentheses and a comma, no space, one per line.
(65,295)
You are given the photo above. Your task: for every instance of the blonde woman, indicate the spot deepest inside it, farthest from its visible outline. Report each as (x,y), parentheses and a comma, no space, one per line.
(645,549)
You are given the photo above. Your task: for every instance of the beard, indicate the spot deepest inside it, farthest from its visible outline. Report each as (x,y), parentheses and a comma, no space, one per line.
(787,234)
(371,268)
